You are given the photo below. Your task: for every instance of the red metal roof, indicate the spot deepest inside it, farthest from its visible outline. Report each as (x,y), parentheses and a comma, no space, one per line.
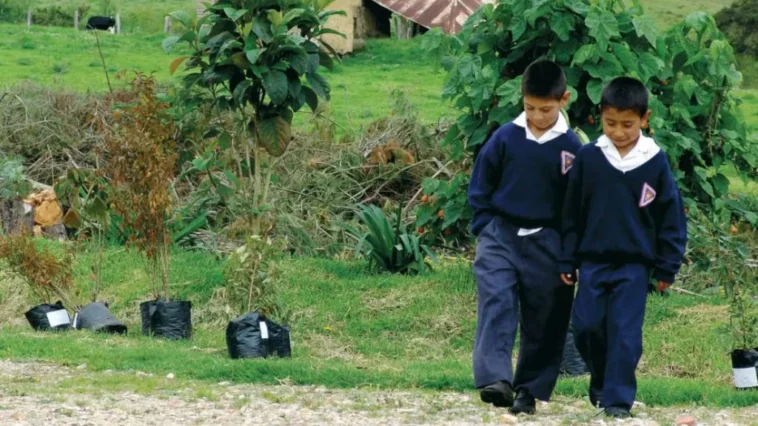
(448,14)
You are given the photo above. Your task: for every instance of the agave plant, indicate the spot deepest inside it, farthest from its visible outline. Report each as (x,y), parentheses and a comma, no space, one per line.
(391,248)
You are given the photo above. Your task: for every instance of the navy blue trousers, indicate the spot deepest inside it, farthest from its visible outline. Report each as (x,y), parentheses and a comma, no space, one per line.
(515,275)
(608,314)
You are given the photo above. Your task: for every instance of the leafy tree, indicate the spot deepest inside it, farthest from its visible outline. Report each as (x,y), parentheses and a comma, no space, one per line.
(260,60)
(689,69)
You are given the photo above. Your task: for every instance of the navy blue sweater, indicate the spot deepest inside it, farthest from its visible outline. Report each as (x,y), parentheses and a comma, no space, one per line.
(616,217)
(520,179)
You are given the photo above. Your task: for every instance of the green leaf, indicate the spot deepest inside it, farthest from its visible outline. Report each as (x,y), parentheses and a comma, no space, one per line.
(578,6)
(299,61)
(319,85)
(295,86)
(721,183)
(430,185)
(169,43)
(276,85)
(603,25)
(262,29)
(586,53)
(646,27)
(595,91)
(234,14)
(293,14)
(182,16)
(698,20)
(275,17)
(562,25)
(510,92)
(625,56)
(240,93)
(252,55)
(311,98)
(517,26)
(229,45)
(650,65)
(275,134)
(324,60)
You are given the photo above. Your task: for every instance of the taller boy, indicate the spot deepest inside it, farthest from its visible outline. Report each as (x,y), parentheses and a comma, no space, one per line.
(517,190)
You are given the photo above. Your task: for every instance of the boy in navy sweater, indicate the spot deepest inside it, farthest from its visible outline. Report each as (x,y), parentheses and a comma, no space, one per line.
(623,220)
(517,191)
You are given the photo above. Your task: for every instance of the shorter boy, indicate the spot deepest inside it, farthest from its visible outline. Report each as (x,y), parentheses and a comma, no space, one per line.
(623,219)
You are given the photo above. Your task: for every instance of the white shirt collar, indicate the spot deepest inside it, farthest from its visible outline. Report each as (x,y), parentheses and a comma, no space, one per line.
(559,128)
(645,149)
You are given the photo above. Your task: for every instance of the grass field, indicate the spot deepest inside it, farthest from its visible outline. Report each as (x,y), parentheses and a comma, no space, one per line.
(352,328)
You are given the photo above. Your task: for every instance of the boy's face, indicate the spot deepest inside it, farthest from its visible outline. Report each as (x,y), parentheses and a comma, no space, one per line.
(623,127)
(542,113)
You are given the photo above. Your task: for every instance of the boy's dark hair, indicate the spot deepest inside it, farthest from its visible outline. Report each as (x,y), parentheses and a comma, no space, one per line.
(544,79)
(625,94)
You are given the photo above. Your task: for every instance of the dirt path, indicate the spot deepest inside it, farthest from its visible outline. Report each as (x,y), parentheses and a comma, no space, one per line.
(43,394)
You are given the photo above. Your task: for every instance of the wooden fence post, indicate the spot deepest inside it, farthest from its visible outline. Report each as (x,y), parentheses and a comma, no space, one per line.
(76,19)
(118,23)
(167,24)
(29,17)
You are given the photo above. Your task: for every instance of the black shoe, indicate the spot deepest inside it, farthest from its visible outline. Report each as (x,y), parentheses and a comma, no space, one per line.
(499,394)
(618,412)
(524,403)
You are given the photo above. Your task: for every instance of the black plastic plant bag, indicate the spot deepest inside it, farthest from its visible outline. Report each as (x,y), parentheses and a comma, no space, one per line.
(572,363)
(49,317)
(254,336)
(170,320)
(745,368)
(97,317)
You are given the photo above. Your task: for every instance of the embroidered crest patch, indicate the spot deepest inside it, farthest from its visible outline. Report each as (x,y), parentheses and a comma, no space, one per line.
(567,160)
(648,195)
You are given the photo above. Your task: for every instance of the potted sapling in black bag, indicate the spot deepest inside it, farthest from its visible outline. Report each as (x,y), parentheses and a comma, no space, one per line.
(251,286)
(140,156)
(49,277)
(87,195)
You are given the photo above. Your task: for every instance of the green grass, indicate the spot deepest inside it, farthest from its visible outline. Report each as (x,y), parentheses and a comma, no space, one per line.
(352,328)
(669,12)
(361,84)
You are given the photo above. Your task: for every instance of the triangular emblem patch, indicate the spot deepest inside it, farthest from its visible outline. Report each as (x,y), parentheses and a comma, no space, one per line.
(648,195)
(567,160)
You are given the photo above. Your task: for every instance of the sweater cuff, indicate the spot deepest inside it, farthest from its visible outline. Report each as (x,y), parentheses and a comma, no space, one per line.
(665,276)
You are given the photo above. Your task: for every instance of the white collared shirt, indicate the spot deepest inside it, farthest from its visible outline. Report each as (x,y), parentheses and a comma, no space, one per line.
(643,152)
(559,128)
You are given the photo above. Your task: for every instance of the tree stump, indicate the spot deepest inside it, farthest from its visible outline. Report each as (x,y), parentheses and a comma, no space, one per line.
(16,216)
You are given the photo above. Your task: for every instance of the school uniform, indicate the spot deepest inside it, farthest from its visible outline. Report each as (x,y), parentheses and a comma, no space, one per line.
(517,191)
(623,221)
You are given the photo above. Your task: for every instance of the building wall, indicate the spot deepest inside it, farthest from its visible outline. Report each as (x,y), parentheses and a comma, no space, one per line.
(344,24)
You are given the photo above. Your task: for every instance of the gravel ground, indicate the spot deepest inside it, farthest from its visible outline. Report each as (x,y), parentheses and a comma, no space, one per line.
(44,394)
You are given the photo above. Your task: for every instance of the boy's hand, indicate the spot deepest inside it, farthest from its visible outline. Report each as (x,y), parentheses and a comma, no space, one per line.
(568,278)
(662,286)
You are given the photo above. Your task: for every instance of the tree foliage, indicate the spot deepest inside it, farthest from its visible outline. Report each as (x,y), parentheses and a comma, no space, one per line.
(689,70)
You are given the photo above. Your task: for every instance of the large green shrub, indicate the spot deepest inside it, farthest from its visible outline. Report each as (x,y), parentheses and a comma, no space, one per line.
(690,71)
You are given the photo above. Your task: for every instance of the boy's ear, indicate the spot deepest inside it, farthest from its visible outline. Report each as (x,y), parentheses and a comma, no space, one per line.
(646,119)
(565,99)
